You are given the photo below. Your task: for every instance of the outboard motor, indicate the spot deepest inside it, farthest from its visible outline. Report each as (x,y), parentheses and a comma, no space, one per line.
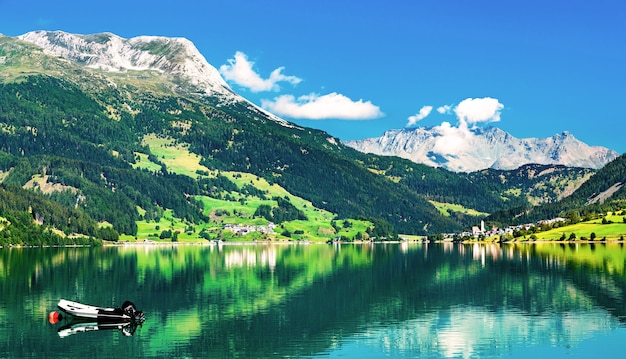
(129,309)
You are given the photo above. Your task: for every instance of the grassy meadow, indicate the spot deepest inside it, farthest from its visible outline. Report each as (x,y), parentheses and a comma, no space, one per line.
(238,209)
(446,208)
(614,229)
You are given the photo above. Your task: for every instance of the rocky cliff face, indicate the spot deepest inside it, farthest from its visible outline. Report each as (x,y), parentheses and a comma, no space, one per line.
(177,57)
(467,150)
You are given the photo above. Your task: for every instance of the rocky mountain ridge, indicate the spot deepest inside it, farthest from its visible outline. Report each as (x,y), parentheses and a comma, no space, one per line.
(176,56)
(473,149)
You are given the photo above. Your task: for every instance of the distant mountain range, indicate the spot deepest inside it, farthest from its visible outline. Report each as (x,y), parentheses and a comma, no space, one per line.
(473,149)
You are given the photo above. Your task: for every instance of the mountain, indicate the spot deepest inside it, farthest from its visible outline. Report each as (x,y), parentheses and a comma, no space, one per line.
(102,136)
(94,123)
(185,70)
(472,149)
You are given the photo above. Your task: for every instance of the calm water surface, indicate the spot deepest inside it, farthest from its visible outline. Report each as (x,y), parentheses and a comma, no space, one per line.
(320,301)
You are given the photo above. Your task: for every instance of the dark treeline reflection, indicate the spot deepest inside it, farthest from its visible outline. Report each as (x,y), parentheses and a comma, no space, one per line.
(290,300)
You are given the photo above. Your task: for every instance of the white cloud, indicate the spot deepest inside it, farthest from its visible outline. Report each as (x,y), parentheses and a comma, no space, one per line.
(424,112)
(316,107)
(476,110)
(240,71)
(445,109)
(452,140)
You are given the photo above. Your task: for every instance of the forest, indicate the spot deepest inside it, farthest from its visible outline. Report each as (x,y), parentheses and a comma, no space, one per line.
(52,128)
(579,204)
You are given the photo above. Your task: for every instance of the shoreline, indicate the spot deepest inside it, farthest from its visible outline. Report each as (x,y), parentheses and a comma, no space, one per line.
(264,243)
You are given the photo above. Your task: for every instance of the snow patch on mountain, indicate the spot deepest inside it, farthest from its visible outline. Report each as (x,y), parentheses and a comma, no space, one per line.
(108,52)
(470,149)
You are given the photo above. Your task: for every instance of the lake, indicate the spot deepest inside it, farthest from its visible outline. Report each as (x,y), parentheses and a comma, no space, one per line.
(405,300)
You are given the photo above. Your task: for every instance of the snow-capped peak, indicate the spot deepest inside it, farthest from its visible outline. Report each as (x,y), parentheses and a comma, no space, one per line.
(465,150)
(175,56)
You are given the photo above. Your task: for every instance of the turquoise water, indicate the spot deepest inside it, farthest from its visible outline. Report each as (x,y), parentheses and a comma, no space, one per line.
(320,301)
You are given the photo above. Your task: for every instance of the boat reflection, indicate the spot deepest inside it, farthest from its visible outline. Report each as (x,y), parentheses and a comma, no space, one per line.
(75,326)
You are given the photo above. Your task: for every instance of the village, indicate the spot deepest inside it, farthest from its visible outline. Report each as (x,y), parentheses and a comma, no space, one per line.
(478,232)
(481,232)
(243,229)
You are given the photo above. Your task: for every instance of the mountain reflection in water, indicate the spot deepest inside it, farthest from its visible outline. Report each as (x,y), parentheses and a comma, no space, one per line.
(372,300)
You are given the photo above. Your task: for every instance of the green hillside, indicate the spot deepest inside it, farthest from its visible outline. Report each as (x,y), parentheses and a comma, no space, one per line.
(533,184)
(601,193)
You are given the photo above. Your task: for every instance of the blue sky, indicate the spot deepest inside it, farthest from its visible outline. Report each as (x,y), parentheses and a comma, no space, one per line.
(355,69)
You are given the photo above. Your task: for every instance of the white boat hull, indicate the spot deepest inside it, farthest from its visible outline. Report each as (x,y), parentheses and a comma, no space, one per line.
(92,312)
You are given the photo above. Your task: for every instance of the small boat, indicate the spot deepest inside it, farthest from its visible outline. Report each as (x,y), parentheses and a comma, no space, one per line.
(127,312)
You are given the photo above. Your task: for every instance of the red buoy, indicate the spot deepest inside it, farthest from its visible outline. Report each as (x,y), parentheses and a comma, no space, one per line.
(54,317)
